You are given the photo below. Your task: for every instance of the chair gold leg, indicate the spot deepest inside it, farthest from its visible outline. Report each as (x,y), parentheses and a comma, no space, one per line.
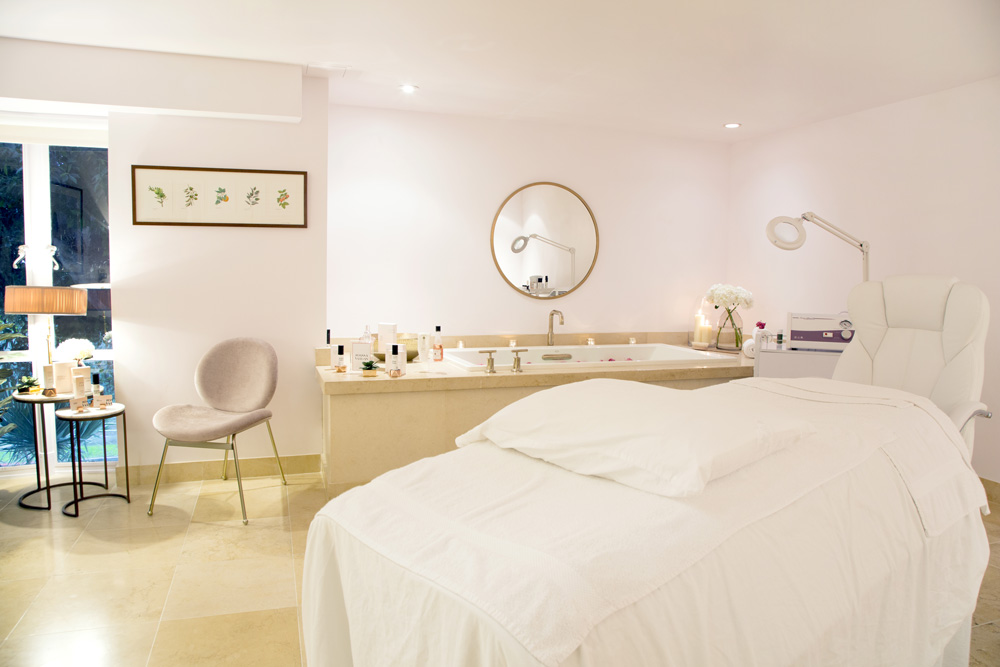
(159,471)
(275,448)
(239,479)
(225,460)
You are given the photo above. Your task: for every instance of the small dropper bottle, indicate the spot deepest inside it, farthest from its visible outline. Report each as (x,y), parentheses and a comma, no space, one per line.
(438,344)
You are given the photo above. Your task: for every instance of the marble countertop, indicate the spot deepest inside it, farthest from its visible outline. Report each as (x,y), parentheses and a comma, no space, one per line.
(444,376)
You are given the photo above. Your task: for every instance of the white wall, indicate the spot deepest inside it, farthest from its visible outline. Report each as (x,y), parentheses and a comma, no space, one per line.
(179,290)
(920,180)
(413,196)
(37,74)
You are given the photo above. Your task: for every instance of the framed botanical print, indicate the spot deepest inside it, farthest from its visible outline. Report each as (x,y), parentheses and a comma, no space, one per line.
(218,197)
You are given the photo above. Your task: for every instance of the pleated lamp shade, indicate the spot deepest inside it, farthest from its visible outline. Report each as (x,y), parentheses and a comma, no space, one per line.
(39,300)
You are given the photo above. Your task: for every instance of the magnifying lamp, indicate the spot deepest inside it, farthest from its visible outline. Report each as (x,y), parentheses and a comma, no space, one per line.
(521,242)
(789,234)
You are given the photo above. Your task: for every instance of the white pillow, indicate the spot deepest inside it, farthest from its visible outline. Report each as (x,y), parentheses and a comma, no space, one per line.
(670,442)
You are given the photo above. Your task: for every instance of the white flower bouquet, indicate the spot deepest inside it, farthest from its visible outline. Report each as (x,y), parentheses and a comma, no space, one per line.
(729,298)
(75,348)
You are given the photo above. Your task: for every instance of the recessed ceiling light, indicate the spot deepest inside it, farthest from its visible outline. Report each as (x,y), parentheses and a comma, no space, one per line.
(408,88)
(731,126)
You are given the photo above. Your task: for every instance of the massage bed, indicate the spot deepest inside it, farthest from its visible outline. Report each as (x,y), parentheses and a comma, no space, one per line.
(606,523)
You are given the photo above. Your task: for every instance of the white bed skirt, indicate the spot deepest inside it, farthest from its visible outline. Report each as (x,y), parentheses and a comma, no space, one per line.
(845,584)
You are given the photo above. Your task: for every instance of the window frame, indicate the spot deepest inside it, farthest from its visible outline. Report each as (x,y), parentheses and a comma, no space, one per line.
(36,138)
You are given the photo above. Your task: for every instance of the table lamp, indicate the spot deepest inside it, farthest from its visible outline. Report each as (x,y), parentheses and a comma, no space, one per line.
(45,300)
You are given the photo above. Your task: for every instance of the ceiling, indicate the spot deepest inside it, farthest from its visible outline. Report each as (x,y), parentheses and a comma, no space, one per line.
(678,68)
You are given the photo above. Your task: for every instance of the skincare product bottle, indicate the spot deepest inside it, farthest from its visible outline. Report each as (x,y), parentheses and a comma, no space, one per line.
(780,339)
(339,362)
(329,347)
(424,347)
(397,361)
(78,383)
(438,344)
(96,382)
(81,372)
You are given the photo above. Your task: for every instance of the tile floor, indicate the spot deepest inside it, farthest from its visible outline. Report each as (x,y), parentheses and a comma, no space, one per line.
(192,586)
(986,619)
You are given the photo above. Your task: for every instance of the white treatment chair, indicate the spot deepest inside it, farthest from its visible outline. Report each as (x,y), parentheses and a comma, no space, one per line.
(925,335)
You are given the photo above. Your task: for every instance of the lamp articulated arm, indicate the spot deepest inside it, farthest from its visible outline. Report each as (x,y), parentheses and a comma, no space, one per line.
(843,236)
(571,251)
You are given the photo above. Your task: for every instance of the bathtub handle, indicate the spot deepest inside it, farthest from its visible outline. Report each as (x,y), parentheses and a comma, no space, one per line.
(489,362)
(516,368)
(563,356)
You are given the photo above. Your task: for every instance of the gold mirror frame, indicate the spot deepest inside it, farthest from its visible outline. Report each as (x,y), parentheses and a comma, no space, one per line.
(493,250)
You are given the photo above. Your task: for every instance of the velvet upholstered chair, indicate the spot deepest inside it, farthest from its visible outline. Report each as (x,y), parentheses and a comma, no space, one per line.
(925,335)
(236,379)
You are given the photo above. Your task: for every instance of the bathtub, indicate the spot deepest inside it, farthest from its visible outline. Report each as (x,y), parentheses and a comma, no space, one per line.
(588,356)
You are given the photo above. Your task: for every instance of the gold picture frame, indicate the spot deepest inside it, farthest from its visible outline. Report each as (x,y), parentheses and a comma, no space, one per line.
(206,196)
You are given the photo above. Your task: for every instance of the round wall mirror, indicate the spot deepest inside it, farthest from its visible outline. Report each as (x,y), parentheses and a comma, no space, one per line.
(544,240)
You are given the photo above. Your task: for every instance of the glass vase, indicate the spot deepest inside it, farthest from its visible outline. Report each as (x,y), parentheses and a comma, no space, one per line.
(729,335)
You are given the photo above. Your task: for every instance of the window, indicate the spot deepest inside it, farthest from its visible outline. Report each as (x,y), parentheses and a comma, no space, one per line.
(54,206)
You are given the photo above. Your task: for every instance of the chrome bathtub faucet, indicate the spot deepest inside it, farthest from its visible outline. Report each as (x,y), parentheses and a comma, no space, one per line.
(551,338)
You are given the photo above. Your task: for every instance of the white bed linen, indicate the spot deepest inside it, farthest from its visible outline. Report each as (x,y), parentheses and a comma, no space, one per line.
(666,441)
(842,570)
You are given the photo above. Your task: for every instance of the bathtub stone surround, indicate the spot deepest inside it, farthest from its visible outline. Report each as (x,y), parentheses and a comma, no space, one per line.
(373,425)
(539,339)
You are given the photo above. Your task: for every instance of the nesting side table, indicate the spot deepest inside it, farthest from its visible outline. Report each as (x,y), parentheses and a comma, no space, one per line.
(38,403)
(76,455)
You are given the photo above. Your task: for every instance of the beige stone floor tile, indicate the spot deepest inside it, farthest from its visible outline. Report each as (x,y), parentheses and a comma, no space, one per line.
(299,568)
(96,600)
(306,500)
(261,502)
(124,548)
(122,645)
(11,488)
(16,521)
(992,531)
(304,478)
(15,598)
(258,638)
(169,511)
(985,648)
(231,586)
(988,605)
(219,485)
(992,523)
(300,531)
(231,540)
(40,555)
(145,491)
(302,638)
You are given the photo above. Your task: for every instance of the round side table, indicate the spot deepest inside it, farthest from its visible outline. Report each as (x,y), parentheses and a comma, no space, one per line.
(38,403)
(76,455)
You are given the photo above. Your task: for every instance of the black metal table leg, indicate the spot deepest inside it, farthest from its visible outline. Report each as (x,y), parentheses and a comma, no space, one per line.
(36,412)
(38,424)
(76,454)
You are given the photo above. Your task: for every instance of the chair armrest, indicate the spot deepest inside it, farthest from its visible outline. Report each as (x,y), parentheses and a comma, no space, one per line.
(962,413)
